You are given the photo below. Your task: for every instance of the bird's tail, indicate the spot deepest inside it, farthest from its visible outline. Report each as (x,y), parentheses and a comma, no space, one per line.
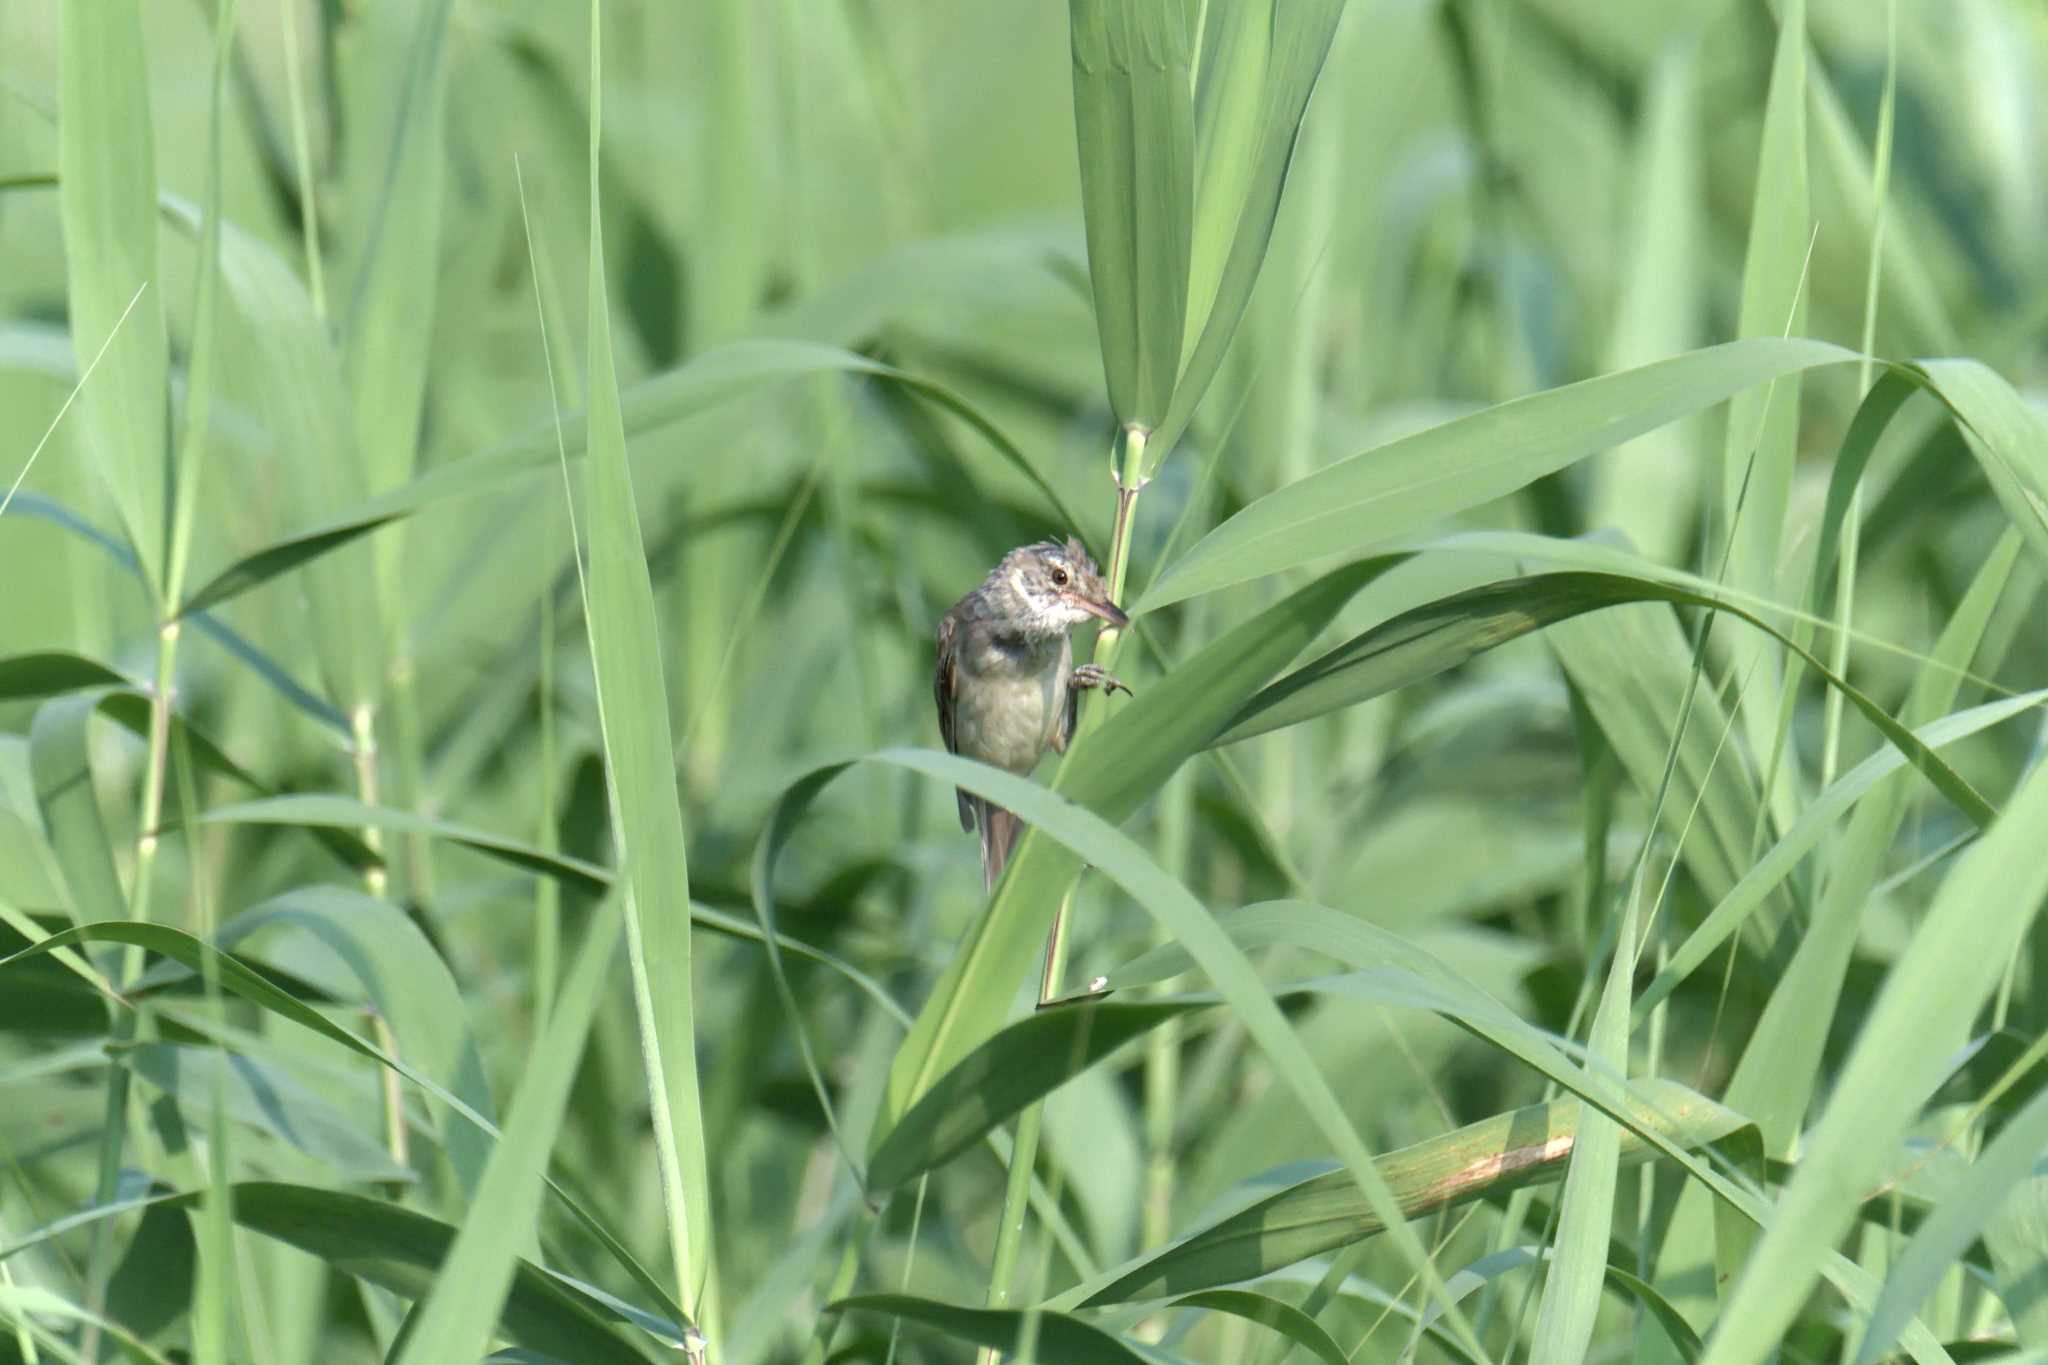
(998,830)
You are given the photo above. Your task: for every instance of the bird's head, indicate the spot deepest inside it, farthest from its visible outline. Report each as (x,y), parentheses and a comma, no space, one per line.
(1055,587)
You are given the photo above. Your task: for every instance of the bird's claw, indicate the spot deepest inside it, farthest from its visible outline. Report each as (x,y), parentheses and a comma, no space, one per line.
(1095,675)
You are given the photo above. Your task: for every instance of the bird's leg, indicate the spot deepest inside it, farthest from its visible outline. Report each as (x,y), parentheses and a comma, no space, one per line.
(1095,675)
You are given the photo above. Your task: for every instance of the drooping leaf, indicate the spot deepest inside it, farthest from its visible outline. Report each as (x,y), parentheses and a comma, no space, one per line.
(1440,635)
(315,811)
(720,375)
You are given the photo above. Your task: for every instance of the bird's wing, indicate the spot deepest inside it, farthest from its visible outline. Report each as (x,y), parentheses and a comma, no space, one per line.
(1070,700)
(944,679)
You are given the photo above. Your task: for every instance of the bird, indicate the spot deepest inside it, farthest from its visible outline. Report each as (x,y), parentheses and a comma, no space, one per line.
(1006,684)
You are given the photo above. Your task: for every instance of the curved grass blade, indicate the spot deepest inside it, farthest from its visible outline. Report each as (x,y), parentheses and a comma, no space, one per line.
(2005,433)
(320,811)
(724,923)
(24,1302)
(410,986)
(1873,418)
(720,375)
(1042,1051)
(130,710)
(269,669)
(60,762)
(335,815)
(1275,1315)
(1024,1062)
(1677,1330)
(1398,488)
(49,673)
(1442,634)
(1058,1337)
(267,1098)
(1521,1147)
(646,811)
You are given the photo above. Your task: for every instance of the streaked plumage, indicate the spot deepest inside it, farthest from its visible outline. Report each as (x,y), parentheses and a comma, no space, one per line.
(1005,685)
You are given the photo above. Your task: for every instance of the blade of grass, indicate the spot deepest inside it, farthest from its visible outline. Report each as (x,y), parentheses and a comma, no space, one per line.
(1402,486)
(108,194)
(1428,639)
(1060,1337)
(1490,1157)
(1276,1315)
(647,828)
(410,987)
(390,324)
(1134,122)
(1253,92)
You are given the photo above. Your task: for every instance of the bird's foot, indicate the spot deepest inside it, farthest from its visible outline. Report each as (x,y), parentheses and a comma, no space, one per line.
(1095,675)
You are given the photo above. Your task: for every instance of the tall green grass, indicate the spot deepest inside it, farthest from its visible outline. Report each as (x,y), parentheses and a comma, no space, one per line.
(477,875)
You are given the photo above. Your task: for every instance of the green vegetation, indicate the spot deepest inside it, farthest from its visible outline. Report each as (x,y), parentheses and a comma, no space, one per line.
(478,874)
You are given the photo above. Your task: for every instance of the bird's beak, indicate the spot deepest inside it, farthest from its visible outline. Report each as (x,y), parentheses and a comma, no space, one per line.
(1108,611)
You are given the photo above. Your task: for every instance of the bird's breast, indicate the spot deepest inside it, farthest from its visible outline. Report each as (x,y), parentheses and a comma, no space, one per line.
(1006,703)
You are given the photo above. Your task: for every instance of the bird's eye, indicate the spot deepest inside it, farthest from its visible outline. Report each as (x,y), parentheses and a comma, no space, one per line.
(1059,577)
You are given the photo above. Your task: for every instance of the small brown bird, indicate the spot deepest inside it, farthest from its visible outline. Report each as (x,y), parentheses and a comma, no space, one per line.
(1006,684)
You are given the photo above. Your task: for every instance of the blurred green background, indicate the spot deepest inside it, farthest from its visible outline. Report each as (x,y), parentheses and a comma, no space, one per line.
(1489,198)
